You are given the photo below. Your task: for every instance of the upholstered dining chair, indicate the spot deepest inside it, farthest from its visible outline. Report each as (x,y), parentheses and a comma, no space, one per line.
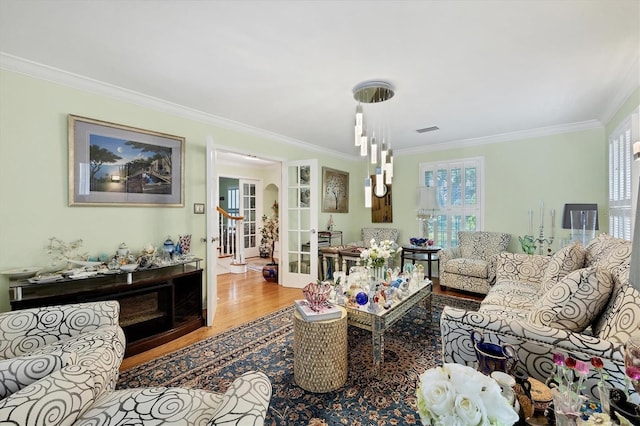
(378,234)
(471,266)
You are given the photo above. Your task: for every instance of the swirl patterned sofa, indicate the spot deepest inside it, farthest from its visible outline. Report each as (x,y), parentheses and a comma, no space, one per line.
(59,366)
(578,301)
(471,266)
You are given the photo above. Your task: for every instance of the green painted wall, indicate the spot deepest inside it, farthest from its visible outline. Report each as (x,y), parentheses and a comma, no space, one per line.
(558,169)
(34,174)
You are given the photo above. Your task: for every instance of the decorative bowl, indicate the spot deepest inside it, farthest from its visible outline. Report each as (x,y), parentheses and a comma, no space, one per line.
(129,267)
(85,263)
(418,241)
(316,294)
(21,273)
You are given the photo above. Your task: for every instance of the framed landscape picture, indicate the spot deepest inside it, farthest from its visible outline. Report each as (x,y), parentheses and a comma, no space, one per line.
(112,164)
(335,191)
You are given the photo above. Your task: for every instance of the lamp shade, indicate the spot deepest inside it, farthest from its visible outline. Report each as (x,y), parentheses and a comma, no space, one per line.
(568,208)
(427,198)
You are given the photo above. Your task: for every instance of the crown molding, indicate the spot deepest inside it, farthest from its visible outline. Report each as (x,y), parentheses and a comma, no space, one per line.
(55,75)
(630,83)
(505,137)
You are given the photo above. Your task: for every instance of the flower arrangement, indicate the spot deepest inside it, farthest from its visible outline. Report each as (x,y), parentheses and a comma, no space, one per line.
(377,254)
(568,380)
(570,373)
(456,394)
(60,250)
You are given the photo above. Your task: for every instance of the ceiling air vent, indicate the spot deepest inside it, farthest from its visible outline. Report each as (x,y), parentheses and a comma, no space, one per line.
(428,129)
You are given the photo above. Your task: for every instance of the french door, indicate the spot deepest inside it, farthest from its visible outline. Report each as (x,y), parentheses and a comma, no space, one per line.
(213,231)
(299,238)
(251,209)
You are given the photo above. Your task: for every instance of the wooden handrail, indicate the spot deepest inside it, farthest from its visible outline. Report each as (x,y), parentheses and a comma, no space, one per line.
(227,215)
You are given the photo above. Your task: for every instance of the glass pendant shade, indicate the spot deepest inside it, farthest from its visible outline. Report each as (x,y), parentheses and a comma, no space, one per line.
(367,193)
(359,125)
(389,167)
(380,189)
(374,151)
(363,144)
(383,153)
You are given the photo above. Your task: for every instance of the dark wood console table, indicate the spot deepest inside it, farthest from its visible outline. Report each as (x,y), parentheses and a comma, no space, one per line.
(157,305)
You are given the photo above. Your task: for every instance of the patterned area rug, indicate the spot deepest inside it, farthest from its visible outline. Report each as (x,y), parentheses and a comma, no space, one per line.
(412,346)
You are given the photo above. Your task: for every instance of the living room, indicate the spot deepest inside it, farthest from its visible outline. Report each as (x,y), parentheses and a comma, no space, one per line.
(557,163)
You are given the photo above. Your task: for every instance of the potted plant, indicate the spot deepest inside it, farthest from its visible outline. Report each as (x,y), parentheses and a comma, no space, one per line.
(270,234)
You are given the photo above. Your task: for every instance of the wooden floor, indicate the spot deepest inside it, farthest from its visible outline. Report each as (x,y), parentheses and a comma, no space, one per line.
(242,298)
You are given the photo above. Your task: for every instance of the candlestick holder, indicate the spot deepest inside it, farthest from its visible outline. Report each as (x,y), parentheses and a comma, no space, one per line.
(541,240)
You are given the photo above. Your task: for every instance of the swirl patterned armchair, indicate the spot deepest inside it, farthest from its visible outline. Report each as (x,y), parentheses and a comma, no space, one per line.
(471,266)
(578,302)
(36,342)
(59,365)
(66,397)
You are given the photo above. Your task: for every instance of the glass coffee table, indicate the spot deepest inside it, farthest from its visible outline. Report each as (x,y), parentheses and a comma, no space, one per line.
(379,321)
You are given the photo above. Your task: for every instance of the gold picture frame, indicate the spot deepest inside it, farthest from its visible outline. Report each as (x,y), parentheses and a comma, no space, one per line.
(335,191)
(115,165)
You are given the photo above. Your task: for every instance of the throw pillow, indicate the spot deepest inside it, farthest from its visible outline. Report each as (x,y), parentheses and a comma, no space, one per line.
(562,263)
(574,302)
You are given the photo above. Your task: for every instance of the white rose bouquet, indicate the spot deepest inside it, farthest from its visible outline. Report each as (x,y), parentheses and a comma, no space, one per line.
(455,394)
(377,254)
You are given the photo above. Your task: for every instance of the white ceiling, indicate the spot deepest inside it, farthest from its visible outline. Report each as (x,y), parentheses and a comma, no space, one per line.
(473,68)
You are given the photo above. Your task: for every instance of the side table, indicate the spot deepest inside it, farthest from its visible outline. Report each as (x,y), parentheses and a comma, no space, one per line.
(320,353)
(420,253)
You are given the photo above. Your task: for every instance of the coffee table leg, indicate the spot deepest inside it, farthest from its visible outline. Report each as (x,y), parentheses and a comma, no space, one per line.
(427,305)
(377,335)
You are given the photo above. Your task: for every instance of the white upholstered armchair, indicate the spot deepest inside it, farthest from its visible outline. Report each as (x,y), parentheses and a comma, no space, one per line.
(39,341)
(378,234)
(471,266)
(61,364)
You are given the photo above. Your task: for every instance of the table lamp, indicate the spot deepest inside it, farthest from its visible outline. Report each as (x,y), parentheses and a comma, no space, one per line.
(427,200)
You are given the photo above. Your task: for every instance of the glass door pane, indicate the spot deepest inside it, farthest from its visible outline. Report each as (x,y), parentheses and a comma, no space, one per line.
(301,262)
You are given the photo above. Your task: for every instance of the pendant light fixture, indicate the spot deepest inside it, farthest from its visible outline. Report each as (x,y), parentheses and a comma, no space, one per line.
(372,135)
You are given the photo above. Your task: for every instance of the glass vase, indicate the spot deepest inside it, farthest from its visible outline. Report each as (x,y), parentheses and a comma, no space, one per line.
(566,407)
(603,395)
(378,273)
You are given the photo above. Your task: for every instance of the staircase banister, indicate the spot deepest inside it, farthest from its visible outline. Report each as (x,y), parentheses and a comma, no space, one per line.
(227,215)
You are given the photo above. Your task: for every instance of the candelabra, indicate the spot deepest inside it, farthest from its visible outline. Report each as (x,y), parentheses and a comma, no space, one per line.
(541,240)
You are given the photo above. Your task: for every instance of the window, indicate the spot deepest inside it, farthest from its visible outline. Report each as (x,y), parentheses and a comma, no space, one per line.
(459,187)
(233,205)
(620,188)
